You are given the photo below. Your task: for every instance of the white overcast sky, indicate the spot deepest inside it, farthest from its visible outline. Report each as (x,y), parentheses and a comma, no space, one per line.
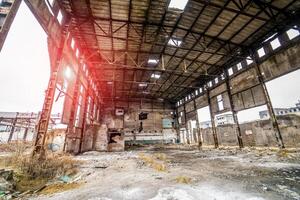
(24,65)
(25,68)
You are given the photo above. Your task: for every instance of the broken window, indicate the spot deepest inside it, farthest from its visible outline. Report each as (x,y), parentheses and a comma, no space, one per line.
(222,76)
(261,52)
(239,66)
(292,33)
(216,80)
(249,60)
(178,4)
(174,42)
(49,6)
(155,76)
(77,53)
(60,17)
(51,2)
(209,84)
(72,43)
(275,43)
(230,71)
(220,102)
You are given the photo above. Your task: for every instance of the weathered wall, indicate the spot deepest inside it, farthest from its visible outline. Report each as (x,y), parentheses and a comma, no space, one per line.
(153,128)
(257,133)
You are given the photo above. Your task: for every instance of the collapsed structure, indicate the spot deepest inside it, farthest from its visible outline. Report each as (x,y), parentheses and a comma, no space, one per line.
(138,70)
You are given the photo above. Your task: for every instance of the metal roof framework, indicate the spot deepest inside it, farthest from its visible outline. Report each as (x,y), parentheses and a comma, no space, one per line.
(118,37)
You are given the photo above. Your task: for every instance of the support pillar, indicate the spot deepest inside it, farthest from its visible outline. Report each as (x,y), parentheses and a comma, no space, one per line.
(71,129)
(86,94)
(25,134)
(42,126)
(273,118)
(214,131)
(177,126)
(198,127)
(234,113)
(12,130)
(186,126)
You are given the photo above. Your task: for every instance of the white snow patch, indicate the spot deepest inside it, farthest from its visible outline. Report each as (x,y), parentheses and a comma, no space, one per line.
(202,192)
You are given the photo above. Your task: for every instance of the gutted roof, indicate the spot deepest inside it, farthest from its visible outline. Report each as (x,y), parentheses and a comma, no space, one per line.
(186,47)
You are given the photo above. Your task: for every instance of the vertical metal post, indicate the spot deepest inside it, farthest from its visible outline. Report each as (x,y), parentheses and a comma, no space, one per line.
(273,118)
(8,20)
(186,125)
(25,134)
(198,126)
(71,124)
(234,113)
(12,130)
(213,126)
(84,118)
(177,127)
(42,126)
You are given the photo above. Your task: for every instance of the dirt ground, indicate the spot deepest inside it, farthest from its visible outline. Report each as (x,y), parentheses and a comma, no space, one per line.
(173,173)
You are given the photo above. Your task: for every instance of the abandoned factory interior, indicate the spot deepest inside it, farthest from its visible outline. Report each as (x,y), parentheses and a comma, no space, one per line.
(150,99)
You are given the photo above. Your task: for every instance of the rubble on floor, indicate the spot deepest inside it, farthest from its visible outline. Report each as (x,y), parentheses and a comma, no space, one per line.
(189,174)
(23,176)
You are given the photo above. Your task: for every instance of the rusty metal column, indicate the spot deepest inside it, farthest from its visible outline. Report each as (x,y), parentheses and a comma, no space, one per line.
(8,19)
(234,113)
(26,129)
(71,129)
(273,118)
(212,121)
(42,126)
(177,127)
(12,130)
(84,117)
(198,126)
(186,125)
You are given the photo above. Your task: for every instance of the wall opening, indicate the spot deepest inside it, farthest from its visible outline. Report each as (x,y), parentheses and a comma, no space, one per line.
(284,92)
(24,74)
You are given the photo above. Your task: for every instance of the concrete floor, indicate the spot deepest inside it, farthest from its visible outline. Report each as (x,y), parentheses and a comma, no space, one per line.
(250,174)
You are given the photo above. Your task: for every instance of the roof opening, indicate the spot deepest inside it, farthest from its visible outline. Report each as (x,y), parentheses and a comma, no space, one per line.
(143,84)
(261,52)
(275,44)
(230,71)
(178,4)
(292,33)
(72,43)
(156,76)
(59,17)
(249,60)
(152,61)
(239,66)
(174,42)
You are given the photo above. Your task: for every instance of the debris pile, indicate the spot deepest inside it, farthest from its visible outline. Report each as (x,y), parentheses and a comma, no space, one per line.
(156,161)
(7,184)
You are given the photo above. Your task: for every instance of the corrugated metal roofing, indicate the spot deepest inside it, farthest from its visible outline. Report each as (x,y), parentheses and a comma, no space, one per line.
(129,32)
